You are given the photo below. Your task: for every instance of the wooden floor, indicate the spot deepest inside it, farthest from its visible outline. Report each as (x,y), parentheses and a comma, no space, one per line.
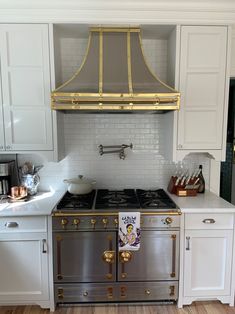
(197,308)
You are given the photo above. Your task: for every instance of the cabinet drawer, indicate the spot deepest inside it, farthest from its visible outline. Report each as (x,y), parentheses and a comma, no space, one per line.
(209,221)
(23,224)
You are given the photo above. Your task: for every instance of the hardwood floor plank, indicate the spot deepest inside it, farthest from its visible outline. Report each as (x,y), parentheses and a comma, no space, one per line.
(196,308)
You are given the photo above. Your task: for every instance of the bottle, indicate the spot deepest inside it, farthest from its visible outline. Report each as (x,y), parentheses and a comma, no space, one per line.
(201,182)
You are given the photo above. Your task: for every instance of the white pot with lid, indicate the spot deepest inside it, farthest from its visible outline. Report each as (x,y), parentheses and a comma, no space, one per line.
(80,185)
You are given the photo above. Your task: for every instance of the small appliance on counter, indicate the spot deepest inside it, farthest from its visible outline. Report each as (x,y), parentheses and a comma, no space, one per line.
(7,179)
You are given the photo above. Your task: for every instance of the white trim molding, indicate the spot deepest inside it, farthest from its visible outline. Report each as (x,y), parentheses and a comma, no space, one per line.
(124,11)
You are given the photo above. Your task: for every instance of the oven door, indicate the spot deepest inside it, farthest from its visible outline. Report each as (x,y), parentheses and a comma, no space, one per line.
(157,258)
(84,256)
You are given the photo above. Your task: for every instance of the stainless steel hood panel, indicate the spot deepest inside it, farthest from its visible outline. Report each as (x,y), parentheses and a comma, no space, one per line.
(114,76)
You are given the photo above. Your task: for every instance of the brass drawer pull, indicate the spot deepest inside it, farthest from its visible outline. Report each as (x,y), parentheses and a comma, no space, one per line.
(209,221)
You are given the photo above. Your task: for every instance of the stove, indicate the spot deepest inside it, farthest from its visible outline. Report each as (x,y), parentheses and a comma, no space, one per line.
(88,266)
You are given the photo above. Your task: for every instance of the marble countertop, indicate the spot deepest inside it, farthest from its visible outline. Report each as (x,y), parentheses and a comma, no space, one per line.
(40,204)
(203,203)
(44,202)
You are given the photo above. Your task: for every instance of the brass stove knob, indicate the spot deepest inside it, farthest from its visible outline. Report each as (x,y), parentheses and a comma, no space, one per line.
(64,222)
(168,220)
(93,222)
(116,222)
(105,222)
(76,222)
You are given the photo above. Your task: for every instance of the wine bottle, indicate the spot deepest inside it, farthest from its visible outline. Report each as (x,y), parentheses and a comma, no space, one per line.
(201,182)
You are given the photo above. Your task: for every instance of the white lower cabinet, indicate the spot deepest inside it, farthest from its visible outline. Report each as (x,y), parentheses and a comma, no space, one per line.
(208,258)
(24,267)
(24,261)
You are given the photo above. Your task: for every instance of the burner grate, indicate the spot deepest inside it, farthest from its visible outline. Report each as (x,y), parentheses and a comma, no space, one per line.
(71,201)
(116,199)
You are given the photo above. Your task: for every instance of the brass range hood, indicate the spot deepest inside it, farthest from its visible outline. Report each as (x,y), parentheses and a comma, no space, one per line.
(114,77)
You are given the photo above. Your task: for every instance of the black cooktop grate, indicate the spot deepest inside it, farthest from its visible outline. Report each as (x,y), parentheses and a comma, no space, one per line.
(116,199)
(71,201)
(155,199)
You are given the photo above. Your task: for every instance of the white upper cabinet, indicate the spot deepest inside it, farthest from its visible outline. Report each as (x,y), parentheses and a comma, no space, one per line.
(25,75)
(2,140)
(232,72)
(203,87)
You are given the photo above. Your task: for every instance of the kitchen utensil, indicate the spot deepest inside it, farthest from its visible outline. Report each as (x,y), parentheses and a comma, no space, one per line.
(80,185)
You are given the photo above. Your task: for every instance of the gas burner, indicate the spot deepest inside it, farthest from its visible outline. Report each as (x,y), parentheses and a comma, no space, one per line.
(116,199)
(155,199)
(71,201)
(150,194)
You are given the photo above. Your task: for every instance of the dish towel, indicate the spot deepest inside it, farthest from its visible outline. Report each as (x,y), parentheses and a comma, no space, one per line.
(129,231)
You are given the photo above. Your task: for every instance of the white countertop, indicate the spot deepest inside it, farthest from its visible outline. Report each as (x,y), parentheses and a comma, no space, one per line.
(44,202)
(40,204)
(203,203)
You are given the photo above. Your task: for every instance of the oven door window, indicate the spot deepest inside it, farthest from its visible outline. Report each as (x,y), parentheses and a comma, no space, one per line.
(157,258)
(84,256)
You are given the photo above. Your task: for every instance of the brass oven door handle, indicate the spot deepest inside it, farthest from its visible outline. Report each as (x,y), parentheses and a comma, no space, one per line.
(58,247)
(124,257)
(108,257)
(173,237)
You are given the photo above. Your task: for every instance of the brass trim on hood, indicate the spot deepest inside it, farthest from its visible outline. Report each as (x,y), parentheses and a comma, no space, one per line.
(101,100)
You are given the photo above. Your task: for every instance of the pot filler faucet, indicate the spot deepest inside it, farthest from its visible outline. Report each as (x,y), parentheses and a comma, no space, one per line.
(119,149)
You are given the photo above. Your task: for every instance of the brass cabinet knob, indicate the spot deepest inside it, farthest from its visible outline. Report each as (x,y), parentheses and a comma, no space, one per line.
(125,256)
(93,222)
(105,222)
(147,291)
(116,222)
(168,220)
(108,256)
(76,222)
(85,293)
(64,222)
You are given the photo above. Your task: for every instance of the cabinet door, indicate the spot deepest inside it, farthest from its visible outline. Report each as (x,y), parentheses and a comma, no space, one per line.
(26,86)
(207,263)
(232,72)
(202,86)
(23,267)
(2,140)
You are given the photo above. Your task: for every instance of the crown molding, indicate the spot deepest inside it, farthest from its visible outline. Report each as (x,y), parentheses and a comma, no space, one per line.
(122,11)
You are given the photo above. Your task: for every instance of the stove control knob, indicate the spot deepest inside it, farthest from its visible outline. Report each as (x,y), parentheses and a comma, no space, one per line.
(116,222)
(64,222)
(76,222)
(93,222)
(168,220)
(105,222)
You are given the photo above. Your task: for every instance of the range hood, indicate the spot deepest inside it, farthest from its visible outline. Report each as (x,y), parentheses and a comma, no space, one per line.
(114,77)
